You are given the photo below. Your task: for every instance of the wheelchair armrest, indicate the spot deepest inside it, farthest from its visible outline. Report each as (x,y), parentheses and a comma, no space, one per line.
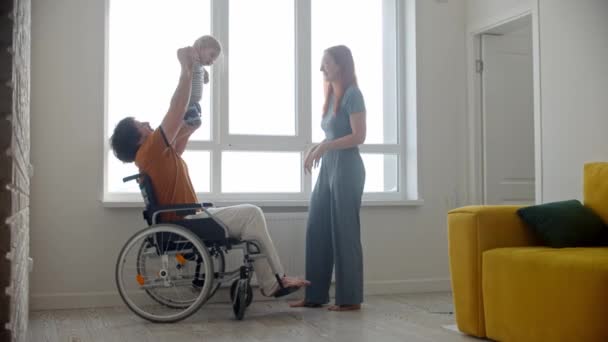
(178,207)
(187,209)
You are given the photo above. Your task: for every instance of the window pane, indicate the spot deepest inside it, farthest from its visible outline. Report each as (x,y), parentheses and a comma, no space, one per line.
(381,172)
(264,172)
(262,67)
(143,67)
(370,33)
(199,168)
(118,170)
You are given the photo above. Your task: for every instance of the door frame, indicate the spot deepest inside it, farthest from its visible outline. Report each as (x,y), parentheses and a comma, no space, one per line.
(476,172)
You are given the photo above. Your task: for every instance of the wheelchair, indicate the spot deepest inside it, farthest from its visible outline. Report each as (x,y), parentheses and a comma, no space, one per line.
(168,270)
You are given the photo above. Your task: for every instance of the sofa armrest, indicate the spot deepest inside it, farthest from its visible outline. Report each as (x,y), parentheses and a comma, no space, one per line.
(489,226)
(471,231)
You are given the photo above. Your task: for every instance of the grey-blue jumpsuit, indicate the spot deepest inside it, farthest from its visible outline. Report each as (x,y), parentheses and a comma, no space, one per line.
(333,230)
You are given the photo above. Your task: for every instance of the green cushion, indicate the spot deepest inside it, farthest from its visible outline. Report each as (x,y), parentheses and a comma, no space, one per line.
(565,224)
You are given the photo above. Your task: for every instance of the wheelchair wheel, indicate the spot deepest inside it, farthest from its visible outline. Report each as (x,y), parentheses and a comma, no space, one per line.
(233,289)
(241,298)
(155,271)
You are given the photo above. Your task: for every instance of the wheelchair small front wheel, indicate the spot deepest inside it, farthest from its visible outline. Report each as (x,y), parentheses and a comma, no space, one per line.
(233,290)
(242,297)
(156,269)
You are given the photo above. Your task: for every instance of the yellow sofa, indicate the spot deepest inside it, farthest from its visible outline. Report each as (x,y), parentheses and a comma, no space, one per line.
(507,287)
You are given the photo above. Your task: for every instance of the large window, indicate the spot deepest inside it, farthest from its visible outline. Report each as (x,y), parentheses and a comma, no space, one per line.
(262,108)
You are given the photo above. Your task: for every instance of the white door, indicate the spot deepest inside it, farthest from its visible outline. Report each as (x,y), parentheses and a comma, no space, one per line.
(507,117)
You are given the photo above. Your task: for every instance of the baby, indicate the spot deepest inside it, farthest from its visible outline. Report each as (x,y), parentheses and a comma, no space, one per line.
(208,49)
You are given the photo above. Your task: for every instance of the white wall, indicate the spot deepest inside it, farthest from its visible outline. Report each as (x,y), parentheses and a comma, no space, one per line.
(483,13)
(75,240)
(574,83)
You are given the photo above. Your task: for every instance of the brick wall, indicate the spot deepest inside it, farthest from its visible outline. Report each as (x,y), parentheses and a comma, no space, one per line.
(15,169)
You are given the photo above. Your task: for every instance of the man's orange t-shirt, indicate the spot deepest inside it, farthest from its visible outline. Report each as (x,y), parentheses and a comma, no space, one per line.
(167,171)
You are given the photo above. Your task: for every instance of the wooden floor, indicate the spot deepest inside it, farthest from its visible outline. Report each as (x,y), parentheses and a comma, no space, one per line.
(409,318)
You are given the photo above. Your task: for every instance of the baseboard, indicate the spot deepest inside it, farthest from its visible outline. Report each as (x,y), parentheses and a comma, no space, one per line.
(74,300)
(81,300)
(407,286)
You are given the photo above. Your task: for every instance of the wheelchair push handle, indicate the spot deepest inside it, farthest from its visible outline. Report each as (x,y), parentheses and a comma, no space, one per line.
(130,178)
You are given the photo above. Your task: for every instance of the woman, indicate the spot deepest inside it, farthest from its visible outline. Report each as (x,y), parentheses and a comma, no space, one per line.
(333,229)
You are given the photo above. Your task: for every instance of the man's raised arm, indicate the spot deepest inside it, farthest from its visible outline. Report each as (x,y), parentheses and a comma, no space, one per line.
(174,118)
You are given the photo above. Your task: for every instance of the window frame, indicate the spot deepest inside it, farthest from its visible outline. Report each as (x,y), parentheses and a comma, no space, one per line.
(406,147)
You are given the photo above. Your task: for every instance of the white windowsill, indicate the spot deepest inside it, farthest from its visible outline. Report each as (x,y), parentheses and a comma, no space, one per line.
(123,203)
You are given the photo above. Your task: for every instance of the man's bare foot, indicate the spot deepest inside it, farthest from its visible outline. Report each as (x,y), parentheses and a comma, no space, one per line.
(355,307)
(303,304)
(294,282)
(290,284)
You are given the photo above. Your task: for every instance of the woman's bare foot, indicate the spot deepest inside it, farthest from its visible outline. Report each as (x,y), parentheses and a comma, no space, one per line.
(303,304)
(355,307)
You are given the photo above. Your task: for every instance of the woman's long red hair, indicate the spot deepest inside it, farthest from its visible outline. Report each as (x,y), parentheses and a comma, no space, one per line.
(344,59)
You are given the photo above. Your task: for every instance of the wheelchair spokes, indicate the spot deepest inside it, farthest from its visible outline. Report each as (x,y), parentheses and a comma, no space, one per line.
(161,273)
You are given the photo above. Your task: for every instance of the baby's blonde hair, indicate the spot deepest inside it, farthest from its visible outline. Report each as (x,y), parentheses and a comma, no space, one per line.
(209,41)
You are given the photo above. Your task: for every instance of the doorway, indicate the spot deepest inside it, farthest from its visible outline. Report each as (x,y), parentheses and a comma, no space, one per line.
(504,67)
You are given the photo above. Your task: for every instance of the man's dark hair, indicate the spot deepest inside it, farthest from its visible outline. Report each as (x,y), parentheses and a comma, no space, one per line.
(125,140)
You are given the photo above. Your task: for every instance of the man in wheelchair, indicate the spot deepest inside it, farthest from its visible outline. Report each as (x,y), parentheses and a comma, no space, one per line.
(158,152)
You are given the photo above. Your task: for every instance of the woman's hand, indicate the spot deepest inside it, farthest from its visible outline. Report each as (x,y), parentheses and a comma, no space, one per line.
(313,156)
(307,159)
